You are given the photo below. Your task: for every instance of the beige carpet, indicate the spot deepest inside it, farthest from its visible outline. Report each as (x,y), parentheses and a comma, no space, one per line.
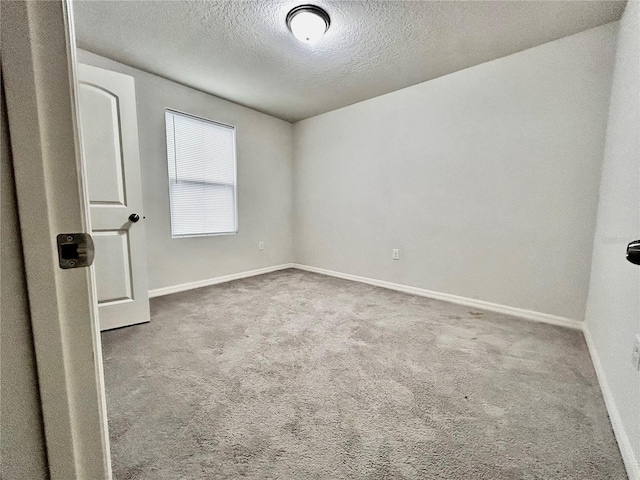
(294,375)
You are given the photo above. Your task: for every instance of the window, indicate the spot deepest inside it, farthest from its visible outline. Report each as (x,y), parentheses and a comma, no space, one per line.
(202,176)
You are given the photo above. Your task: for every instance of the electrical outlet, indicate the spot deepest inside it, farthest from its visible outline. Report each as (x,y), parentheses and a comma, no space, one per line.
(635,357)
(395,254)
(260,245)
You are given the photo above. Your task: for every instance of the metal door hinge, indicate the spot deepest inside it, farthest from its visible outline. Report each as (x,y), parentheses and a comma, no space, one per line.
(75,250)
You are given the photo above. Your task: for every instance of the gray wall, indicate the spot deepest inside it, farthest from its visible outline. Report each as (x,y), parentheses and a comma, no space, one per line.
(613,308)
(23,451)
(485,179)
(264,148)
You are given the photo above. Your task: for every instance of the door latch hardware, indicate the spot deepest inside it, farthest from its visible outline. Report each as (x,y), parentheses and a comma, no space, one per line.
(75,250)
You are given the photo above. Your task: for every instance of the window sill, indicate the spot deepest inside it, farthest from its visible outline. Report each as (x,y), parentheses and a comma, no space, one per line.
(195,235)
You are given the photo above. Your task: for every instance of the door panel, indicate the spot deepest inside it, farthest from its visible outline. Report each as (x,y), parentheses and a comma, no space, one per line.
(103,146)
(110,143)
(113,266)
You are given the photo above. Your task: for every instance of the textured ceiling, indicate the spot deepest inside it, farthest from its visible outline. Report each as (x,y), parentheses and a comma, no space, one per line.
(242,50)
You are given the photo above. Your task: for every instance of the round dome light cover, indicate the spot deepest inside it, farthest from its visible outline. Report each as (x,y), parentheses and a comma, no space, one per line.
(308,23)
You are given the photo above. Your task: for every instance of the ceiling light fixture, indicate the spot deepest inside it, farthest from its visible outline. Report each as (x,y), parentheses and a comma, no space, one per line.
(308,23)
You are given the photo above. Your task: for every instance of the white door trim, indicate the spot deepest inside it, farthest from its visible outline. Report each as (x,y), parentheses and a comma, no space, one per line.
(38,48)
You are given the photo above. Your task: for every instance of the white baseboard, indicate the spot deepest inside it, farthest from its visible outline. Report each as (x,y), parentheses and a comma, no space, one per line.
(158,292)
(447,297)
(628,456)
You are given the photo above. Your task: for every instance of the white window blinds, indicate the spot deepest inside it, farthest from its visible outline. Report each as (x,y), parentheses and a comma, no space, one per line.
(202,176)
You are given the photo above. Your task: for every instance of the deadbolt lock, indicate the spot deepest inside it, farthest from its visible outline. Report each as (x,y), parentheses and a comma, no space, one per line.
(75,250)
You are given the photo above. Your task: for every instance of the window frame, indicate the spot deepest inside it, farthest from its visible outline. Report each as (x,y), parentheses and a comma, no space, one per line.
(173,111)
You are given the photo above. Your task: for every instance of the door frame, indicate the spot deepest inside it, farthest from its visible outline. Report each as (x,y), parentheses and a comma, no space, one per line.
(38,69)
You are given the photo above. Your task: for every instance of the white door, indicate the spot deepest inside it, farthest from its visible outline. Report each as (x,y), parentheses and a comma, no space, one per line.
(110,142)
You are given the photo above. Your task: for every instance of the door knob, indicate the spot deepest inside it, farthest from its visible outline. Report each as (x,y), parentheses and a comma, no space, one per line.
(134,217)
(633,252)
